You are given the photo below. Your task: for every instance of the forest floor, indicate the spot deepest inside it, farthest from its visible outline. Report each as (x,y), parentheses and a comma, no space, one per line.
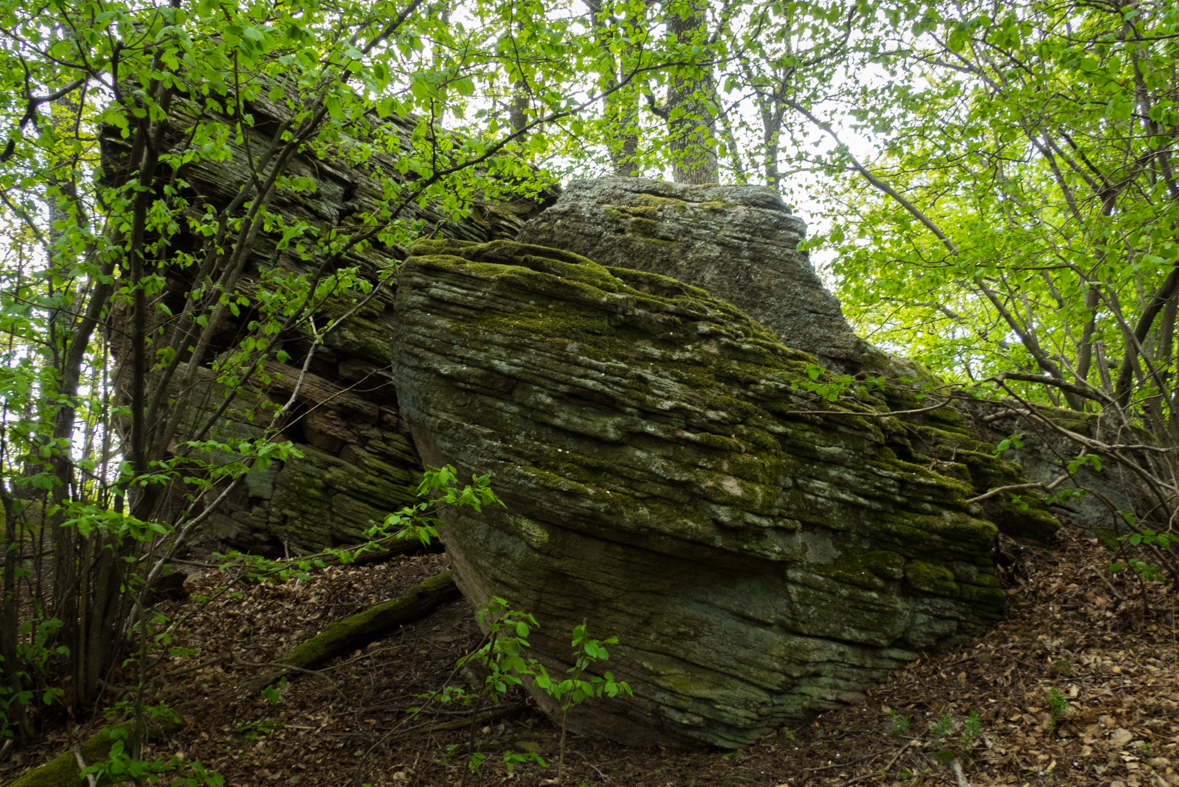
(1078,685)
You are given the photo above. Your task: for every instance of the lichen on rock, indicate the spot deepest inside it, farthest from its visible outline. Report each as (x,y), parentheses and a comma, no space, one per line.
(758,557)
(740,243)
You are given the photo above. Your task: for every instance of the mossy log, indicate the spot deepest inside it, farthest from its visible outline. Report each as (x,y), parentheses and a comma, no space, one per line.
(64,770)
(363,627)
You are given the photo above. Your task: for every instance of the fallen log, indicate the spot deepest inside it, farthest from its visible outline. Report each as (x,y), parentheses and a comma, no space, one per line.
(362,628)
(65,770)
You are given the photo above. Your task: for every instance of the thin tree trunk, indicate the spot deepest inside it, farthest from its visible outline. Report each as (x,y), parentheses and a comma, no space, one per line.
(10,672)
(690,119)
(622,106)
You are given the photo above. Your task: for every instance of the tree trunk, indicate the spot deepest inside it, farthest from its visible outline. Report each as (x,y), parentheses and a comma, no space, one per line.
(622,105)
(690,118)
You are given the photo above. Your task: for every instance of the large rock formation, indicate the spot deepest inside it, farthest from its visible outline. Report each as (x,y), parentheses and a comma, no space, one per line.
(740,243)
(354,462)
(759,552)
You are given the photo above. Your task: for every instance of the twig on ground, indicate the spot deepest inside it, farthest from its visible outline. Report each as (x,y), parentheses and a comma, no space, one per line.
(478,718)
(278,665)
(590,764)
(959,776)
(872,756)
(362,657)
(880,772)
(90,780)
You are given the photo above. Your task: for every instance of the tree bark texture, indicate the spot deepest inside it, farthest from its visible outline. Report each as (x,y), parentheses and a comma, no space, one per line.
(690,118)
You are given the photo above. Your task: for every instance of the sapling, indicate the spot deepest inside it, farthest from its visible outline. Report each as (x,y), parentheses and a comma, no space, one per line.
(577,688)
(1057,708)
(502,661)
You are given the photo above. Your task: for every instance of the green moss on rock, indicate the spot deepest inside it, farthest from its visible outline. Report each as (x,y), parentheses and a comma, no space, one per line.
(667,482)
(931,578)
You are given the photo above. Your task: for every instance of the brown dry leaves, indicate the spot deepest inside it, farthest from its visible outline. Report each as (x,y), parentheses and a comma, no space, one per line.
(1107,651)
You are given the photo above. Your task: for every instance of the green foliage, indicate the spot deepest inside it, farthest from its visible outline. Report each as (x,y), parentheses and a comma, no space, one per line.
(577,688)
(123,766)
(439,488)
(949,736)
(273,694)
(1057,709)
(941,728)
(253,730)
(833,388)
(1161,543)
(501,663)
(1015,441)
(1015,224)
(900,724)
(502,658)
(998,227)
(419,521)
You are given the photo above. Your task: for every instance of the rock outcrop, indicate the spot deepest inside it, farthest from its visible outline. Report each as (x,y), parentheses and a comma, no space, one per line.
(354,461)
(1044,452)
(760,552)
(739,243)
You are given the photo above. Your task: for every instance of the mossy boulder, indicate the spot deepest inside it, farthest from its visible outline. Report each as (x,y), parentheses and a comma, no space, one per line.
(740,243)
(1044,450)
(761,553)
(354,463)
(352,460)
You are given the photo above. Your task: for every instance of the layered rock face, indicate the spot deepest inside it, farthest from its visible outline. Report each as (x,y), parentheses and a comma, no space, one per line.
(759,552)
(355,462)
(740,243)
(1043,453)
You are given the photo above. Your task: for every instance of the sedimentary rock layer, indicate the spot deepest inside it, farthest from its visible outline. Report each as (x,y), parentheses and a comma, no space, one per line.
(759,552)
(353,463)
(740,243)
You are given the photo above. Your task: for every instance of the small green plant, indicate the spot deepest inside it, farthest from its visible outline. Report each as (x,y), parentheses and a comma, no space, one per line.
(900,724)
(121,767)
(971,730)
(1015,441)
(832,388)
(1161,542)
(253,730)
(940,729)
(1057,709)
(577,688)
(502,661)
(439,488)
(911,776)
(513,758)
(502,657)
(274,693)
(949,746)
